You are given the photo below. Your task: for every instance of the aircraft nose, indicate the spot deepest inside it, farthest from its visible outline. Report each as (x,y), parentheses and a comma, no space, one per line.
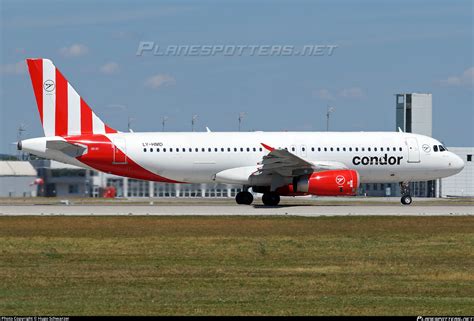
(456,163)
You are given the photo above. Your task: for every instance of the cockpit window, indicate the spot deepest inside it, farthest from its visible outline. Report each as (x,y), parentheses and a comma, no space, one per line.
(441,148)
(435,148)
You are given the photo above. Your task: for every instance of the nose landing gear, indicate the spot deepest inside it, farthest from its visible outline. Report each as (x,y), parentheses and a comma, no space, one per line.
(405,191)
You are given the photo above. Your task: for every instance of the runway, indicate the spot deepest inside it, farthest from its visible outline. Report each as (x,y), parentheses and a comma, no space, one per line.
(214,210)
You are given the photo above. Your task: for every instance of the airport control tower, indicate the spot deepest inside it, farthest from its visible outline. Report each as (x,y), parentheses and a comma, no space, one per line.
(414,113)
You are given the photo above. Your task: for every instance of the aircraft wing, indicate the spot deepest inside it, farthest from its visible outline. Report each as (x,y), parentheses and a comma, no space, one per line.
(287,164)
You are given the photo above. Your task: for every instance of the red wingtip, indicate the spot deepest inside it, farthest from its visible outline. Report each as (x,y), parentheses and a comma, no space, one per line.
(267,147)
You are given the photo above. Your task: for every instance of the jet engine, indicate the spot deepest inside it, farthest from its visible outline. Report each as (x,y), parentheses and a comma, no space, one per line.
(328,183)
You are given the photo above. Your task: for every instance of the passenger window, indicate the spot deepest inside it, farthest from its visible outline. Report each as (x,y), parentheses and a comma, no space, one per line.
(292,149)
(254,149)
(190,149)
(241,149)
(332,149)
(209,149)
(362,149)
(344,149)
(158,150)
(312,149)
(144,149)
(394,149)
(337,149)
(303,149)
(260,149)
(228,149)
(325,149)
(196,149)
(400,149)
(177,150)
(435,148)
(171,149)
(235,149)
(151,149)
(164,150)
(375,149)
(350,149)
(319,149)
(215,149)
(203,149)
(184,149)
(368,149)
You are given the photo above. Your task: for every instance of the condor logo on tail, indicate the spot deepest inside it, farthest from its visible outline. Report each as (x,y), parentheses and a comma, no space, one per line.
(374,160)
(62,111)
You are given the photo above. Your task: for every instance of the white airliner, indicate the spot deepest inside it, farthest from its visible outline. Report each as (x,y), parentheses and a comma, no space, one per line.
(273,163)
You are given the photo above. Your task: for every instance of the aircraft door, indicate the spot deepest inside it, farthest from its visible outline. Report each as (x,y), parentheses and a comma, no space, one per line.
(120,150)
(413,150)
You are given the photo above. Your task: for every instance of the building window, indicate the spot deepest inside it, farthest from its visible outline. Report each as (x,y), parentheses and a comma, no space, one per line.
(469,157)
(73,188)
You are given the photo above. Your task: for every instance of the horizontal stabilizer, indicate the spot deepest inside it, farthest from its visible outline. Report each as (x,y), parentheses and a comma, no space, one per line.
(67,148)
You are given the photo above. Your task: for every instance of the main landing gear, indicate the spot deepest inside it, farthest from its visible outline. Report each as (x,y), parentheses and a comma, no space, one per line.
(405,191)
(244,197)
(270,199)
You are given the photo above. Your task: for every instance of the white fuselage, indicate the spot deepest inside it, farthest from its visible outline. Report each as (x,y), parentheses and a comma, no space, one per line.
(378,157)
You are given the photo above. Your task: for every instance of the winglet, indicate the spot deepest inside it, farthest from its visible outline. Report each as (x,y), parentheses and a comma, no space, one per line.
(271,149)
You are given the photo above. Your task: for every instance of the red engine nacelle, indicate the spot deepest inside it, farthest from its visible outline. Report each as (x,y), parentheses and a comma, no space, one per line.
(328,183)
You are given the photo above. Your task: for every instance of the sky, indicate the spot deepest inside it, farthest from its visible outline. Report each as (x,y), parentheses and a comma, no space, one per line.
(380,48)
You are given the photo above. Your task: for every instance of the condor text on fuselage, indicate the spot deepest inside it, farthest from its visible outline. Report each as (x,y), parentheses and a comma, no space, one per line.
(376,160)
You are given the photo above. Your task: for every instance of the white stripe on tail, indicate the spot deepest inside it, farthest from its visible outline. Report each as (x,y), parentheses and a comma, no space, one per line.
(62,111)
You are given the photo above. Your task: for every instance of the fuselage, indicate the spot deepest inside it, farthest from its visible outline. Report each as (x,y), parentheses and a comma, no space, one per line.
(378,157)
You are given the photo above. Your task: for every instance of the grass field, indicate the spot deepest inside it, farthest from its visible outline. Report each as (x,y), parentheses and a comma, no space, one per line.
(237,265)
